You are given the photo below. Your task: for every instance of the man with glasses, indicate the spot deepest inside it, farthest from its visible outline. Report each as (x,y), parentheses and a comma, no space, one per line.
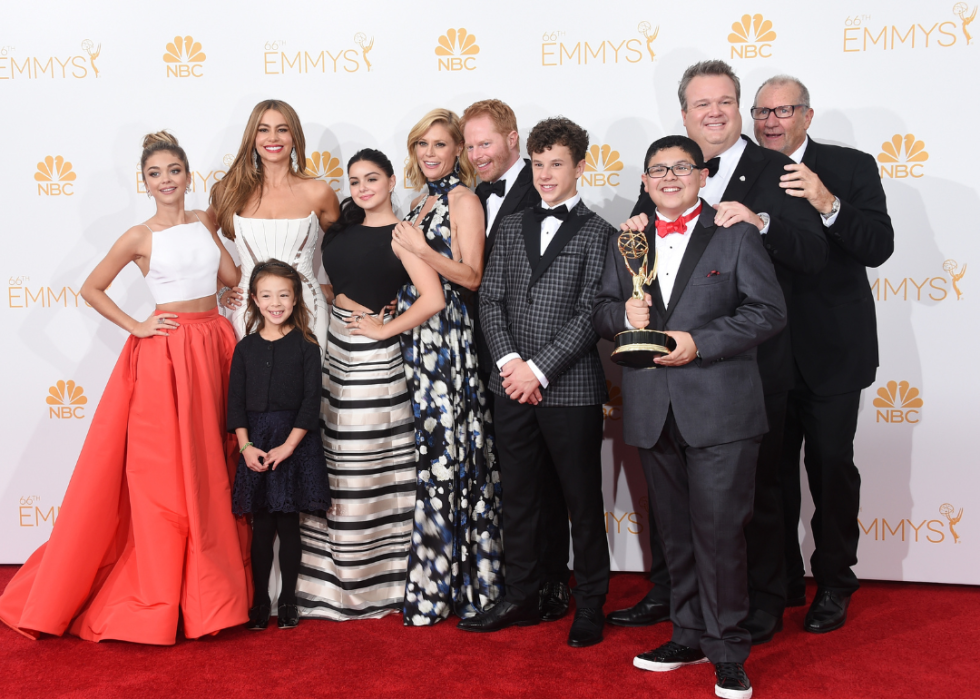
(744,185)
(698,418)
(835,344)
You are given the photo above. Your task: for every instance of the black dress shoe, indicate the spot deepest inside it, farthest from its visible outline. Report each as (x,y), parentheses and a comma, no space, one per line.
(505,614)
(288,616)
(553,601)
(827,613)
(799,601)
(762,625)
(669,656)
(587,627)
(258,617)
(646,612)
(732,682)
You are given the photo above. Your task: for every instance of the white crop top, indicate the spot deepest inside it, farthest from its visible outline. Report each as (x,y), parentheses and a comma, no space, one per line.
(183,263)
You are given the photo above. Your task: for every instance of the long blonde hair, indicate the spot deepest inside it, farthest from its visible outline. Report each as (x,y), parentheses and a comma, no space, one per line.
(414,177)
(244,177)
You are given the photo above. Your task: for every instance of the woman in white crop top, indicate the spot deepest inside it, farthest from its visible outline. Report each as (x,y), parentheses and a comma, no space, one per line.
(272,208)
(146,532)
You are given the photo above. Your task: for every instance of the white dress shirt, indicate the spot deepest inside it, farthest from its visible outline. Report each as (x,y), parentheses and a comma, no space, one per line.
(714,189)
(494,202)
(797,157)
(549,226)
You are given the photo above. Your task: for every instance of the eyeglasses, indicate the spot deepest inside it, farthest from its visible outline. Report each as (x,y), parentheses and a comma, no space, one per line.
(784,112)
(680,169)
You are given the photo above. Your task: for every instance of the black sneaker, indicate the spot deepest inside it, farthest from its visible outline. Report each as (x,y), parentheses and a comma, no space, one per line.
(732,681)
(669,656)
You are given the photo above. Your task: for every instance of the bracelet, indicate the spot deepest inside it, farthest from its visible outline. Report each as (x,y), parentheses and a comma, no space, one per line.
(245,446)
(222,293)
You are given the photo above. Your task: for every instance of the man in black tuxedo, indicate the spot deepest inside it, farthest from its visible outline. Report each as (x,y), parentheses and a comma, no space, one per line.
(744,185)
(698,415)
(835,344)
(493,147)
(536,304)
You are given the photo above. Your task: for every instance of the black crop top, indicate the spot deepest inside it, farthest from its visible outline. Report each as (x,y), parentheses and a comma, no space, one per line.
(363,267)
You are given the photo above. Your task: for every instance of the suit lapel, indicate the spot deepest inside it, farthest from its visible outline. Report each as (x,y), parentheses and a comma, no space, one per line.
(654,287)
(750,165)
(810,155)
(571,225)
(531,230)
(509,206)
(700,237)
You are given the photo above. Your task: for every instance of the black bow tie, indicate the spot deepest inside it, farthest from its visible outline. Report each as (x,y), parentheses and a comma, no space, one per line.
(541,213)
(485,189)
(712,166)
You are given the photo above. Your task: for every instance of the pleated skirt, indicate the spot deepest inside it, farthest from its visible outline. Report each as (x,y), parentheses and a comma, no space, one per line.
(146,534)
(354,561)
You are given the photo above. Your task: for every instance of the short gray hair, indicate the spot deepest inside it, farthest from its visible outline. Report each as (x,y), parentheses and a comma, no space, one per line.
(703,68)
(779,81)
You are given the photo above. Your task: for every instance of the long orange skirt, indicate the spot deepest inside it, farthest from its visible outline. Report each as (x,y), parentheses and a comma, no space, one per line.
(146,531)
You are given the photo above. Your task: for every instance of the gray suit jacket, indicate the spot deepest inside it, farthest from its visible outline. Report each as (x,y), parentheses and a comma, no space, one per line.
(541,306)
(726,295)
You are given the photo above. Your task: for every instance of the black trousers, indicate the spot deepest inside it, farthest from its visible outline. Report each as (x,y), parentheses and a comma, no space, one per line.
(527,436)
(265,525)
(703,502)
(825,427)
(553,530)
(763,534)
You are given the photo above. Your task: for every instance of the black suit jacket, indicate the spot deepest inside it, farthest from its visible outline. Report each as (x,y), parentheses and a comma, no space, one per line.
(522,195)
(726,295)
(540,306)
(795,242)
(834,329)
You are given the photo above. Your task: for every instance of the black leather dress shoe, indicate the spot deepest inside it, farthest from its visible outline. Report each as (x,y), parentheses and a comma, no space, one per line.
(828,612)
(762,625)
(587,627)
(553,601)
(646,612)
(505,614)
(258,617)
(288,616)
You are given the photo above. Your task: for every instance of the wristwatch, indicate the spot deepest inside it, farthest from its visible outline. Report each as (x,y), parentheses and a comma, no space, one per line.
(833,209)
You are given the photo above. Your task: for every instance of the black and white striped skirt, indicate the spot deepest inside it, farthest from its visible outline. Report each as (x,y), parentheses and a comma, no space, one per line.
(355,561)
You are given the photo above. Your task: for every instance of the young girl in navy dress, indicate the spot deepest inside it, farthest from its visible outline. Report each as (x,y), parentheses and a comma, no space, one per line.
(273,408)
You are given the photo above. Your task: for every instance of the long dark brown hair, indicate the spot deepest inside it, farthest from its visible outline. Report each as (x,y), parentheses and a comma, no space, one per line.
(300,317)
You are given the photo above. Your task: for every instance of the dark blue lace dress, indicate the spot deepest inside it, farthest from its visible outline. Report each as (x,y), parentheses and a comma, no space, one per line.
(455,564)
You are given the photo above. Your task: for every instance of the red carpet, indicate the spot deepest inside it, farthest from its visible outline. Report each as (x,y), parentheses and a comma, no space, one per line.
(901,640)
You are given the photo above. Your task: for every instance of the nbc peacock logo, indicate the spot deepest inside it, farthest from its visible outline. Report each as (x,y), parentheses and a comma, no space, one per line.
(65,400)
(602,167)
(902,156)
(752,37)
(184,58)
(54,177)
(324,166)
(897,402)
(457,50)
(613,408)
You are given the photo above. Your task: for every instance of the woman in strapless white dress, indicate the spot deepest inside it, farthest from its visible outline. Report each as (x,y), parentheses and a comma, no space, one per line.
(271,208)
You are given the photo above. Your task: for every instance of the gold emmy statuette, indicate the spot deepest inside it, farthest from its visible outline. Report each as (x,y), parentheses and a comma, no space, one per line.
(638,348)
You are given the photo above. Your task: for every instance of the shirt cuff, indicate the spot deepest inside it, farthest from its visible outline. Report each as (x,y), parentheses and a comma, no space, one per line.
(506,358)
(766,220)
(542,379)
(829,220)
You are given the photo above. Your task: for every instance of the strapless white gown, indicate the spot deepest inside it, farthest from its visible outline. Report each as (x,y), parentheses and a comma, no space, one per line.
(289,240)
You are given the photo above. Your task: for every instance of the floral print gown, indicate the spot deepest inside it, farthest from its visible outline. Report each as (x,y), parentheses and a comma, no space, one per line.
(455,562)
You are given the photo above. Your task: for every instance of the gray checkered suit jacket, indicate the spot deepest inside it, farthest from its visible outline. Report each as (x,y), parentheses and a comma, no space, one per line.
(541,306)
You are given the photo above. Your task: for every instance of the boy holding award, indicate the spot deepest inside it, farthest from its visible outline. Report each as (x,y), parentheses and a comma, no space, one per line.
(696,413)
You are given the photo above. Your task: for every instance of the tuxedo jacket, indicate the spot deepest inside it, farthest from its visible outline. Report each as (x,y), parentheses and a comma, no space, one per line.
(541,306)
(727,297)
(795,242)
(522,195)
(833,324)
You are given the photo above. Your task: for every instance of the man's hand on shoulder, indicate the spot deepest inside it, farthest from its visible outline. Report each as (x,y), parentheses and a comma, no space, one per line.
(732,212)
(637,223)
(801,181)
(520,383)
(684,353)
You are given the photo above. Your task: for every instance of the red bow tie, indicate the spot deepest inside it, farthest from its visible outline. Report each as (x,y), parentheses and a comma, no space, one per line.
(664,228)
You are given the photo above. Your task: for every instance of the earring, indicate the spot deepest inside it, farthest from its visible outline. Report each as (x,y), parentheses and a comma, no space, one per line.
(255,159)
(148,195)
(456,166)
(294,159)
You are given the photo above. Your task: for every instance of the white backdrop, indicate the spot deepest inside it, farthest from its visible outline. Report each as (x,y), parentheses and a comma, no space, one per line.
(81,84)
